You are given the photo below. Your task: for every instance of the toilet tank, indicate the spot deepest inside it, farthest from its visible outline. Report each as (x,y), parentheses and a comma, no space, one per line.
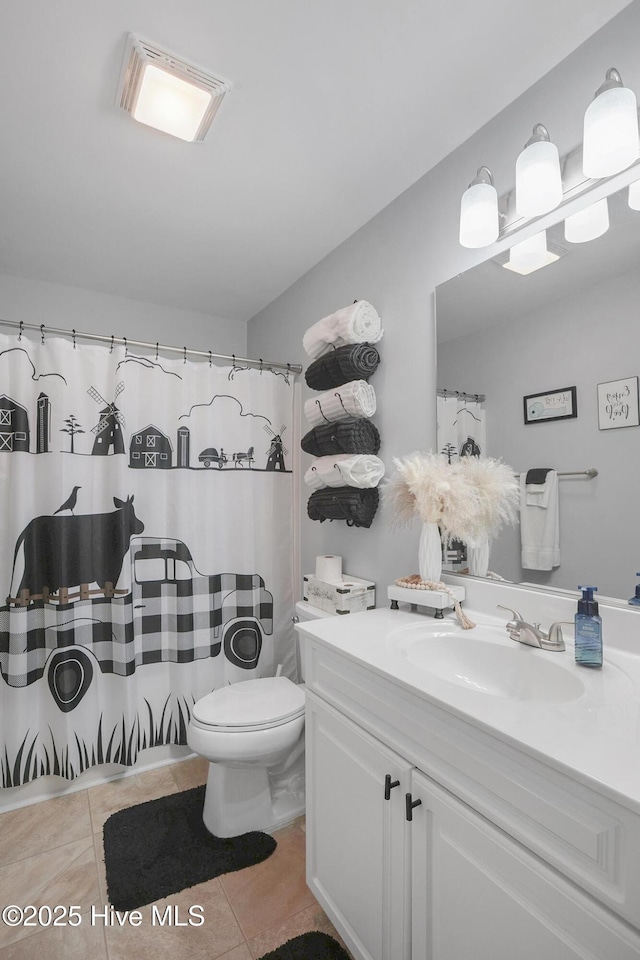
(305,611)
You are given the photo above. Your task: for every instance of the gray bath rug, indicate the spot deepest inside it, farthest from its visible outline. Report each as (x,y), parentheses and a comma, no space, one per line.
(160,847)
(308,946)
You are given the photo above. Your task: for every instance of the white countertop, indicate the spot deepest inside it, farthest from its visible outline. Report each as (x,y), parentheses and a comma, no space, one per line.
(594,737)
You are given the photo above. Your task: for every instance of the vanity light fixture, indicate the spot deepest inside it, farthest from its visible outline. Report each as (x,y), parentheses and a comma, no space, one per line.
(479,211)
(634,195)
(530,255)
(168,93)
(538,177)
(611,142)
(587,224)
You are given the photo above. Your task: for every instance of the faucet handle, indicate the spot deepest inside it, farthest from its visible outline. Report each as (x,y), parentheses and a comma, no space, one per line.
(516,615)
(555,632)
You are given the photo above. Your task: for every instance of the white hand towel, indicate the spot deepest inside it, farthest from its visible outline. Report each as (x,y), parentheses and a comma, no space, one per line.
(540,525)
(345,470)
(354,399)
(538,494)
(357,323)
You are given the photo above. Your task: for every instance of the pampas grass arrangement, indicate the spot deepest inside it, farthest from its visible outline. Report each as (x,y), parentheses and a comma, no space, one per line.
(468,500)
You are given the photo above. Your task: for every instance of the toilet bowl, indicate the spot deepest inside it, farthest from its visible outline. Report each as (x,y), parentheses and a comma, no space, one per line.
(252,734)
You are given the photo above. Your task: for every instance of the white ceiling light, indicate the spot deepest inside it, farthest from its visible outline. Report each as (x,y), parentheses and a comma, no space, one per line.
(587,224)
(479,211)
(530,255)
(611,141)
(167,93)
(538,178)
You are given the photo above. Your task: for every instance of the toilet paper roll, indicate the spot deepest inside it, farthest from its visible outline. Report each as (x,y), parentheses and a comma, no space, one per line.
(329,568)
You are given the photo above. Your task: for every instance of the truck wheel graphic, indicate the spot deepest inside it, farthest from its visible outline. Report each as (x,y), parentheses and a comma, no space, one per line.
(243,643)
(69,674)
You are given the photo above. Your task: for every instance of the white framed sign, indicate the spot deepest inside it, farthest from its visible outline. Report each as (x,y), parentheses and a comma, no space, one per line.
(618,404)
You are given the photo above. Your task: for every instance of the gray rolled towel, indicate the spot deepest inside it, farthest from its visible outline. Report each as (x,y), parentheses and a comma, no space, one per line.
(357,507)
(351,435)
(354,361)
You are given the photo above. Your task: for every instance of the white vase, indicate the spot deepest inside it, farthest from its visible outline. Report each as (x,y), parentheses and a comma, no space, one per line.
(430,553)
(478,558)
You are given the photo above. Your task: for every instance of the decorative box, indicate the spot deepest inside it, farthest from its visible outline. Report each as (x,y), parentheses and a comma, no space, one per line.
(349,595)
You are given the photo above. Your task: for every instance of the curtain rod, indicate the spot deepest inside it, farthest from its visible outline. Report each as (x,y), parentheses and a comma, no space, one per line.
(183,351)
(461,395)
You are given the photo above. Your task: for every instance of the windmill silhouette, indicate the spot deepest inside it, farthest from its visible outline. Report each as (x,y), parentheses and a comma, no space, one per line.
(108,429)
(277,450)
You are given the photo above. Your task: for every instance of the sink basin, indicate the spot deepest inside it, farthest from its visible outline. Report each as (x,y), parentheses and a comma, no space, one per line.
(478,662)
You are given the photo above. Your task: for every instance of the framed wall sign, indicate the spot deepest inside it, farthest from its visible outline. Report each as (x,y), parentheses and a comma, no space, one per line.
(551,405)
(618,404)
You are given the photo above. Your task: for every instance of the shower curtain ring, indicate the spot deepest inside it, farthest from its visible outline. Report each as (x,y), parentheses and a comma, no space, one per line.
(42,332)
(184,354)
(126,348)
(111,347)
(21,329)
(157,346)
(260,366)
(209,357)
(73,332)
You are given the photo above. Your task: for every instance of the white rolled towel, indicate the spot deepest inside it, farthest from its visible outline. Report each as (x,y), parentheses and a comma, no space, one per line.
(354,399)
(345,470)
(357,323)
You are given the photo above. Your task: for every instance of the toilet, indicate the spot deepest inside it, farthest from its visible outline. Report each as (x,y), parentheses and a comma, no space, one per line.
(252,734)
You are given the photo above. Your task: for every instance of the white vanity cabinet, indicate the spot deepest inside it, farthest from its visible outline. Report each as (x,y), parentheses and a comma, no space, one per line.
(472,851)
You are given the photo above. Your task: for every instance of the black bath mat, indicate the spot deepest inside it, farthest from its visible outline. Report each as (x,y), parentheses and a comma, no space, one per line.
(160,847)
(309,946)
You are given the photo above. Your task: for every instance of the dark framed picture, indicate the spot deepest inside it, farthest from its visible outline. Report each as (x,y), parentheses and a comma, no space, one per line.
(551,405)
(618,404)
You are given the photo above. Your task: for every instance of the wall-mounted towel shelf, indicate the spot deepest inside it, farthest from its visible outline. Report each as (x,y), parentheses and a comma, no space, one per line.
(590,473)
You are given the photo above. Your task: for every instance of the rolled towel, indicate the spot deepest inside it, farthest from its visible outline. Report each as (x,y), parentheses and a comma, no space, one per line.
(353,435)
(357,507)
(360,471)
(354,361)
(357,323)
(354,399)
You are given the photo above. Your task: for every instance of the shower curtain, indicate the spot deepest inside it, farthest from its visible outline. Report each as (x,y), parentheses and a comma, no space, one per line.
(461,427)
(145,547)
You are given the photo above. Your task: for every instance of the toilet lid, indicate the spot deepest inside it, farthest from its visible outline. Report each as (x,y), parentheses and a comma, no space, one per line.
(264,702)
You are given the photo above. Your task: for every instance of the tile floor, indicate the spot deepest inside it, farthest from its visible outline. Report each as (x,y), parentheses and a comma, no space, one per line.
(51,853)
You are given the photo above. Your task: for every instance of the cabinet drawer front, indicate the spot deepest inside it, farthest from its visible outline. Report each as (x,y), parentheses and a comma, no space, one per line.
(584,834)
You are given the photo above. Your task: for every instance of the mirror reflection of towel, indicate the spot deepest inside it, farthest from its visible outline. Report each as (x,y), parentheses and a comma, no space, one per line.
(540,523)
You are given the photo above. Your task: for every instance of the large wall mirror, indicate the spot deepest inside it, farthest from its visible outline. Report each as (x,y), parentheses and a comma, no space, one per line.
(573,323)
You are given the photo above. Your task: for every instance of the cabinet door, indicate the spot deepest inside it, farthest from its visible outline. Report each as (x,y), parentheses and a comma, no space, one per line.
(478,893)
(357,863)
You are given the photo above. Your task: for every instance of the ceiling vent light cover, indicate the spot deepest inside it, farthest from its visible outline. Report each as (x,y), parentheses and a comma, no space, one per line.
(190,97)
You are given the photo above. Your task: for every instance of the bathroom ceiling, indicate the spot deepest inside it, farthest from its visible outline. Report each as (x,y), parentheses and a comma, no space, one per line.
(337,107)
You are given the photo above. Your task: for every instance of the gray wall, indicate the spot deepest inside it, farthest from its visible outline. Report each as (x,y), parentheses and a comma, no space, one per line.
(582,340)
(396,261)
(55,305)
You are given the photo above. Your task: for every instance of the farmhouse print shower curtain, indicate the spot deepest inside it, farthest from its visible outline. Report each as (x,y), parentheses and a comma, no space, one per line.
(145,547)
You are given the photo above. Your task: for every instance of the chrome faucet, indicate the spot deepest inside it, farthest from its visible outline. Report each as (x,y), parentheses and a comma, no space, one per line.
(531,634)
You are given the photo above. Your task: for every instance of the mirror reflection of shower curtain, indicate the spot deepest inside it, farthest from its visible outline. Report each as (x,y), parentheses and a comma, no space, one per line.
(461,428)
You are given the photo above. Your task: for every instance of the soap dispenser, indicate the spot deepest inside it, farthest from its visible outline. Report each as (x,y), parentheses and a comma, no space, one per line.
(588,630)
(636,600)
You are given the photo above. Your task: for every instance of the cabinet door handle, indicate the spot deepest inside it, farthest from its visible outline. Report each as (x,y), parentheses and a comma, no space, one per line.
(389,784)
(410,805)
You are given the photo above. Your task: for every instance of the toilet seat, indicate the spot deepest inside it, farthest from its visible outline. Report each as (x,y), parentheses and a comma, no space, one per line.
(250,705)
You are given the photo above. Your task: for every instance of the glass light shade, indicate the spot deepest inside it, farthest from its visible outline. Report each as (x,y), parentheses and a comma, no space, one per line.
(530,255)
(170,104)
(588,224)
(538,179)
(634,195)
(611,141)
(479,224)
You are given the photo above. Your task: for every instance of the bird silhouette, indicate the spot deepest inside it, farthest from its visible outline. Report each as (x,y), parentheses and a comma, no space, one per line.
(70,502)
